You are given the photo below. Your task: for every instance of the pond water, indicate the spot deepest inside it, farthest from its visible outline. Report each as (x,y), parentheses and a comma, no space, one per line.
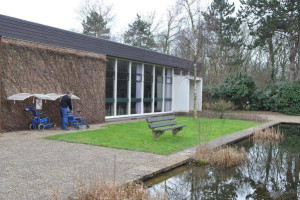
(272,172)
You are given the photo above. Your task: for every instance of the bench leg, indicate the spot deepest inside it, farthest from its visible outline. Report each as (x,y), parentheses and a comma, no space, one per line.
(175,131)
(157,134)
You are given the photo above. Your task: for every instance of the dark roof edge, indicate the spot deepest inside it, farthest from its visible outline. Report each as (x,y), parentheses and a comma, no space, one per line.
(92,37)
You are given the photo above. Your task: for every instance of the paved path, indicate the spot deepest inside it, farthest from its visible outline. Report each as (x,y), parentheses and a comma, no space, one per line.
(270,116)
(34,168)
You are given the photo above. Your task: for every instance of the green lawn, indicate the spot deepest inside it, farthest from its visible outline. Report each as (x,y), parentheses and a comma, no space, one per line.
(137,136)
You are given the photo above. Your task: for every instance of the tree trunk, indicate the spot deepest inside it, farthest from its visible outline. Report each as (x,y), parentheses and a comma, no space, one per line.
(294,66)
(195,90)
(271,49)
(298,64)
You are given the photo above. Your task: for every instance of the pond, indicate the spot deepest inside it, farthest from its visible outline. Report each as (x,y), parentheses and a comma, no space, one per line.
(272,172)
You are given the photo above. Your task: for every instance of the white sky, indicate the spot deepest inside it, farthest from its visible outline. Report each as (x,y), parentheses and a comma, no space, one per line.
(63,13)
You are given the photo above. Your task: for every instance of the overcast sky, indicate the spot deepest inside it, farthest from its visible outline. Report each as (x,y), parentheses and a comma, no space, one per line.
(64,13)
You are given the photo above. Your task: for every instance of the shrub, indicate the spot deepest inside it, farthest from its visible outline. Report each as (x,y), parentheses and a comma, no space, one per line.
(237,88)
(112,191)
(257,100)
(241,90)
(271,96)
(203,154)
(267,135)
(223,157)
(288,101)
(279,97)
(228,157)
(206,94)
(220,107)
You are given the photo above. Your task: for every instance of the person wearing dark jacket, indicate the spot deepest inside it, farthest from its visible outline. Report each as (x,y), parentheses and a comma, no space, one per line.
(65,103)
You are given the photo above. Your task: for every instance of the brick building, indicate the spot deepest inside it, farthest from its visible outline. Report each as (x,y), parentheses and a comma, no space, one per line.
(113,80)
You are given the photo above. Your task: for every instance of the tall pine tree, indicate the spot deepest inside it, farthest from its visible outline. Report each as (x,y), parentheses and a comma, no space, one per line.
(96,25)
(267,18)
(225,28)
(139,34)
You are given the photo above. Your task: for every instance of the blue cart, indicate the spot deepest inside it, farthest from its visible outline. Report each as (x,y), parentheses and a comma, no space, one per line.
(76,121)
(39,122)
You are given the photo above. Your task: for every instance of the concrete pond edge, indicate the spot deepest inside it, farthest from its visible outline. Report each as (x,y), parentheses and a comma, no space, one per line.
(187,154)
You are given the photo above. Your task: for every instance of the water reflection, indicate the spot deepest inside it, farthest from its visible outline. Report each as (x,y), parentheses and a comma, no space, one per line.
(272,172)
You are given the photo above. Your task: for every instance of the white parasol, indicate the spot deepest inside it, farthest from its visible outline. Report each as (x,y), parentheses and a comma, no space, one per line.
(19,97)
(43,97)
(55,96)
(51,96)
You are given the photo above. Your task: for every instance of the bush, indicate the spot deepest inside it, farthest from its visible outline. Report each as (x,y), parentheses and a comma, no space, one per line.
(270,135)
(106,190)
(237,88)
(206,97)
(287,100)
(202,155)
(271,95)
(229,157)
(220,107)
(257,100)
(222,157)
(279,97)
(241,90)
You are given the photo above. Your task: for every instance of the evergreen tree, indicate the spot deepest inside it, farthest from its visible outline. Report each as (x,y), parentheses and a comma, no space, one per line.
(225,27)
(139,34)
(96,25)
(221,21)
(268,18)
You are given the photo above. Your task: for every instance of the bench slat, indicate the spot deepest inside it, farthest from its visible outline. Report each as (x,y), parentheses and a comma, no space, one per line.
(161,118)
(170,128)
(162,124)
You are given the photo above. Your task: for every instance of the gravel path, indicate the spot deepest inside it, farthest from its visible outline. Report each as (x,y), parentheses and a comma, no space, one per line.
(35,168)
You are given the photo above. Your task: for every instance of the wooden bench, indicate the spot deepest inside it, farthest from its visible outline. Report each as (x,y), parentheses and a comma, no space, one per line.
(161,124)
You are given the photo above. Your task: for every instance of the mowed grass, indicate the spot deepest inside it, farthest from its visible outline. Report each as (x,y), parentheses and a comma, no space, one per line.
(137,136)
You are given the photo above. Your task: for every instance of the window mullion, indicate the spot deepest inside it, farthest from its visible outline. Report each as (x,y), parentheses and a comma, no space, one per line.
(142,93)
(164,88)
(153,89)
(129,90)
(172,102)
(115,87)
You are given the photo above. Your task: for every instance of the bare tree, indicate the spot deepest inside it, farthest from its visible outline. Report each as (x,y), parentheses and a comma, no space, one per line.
(193,35)
(172,26)
(151,18)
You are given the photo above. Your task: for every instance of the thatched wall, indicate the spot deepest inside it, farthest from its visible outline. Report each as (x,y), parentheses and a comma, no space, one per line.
(36,68)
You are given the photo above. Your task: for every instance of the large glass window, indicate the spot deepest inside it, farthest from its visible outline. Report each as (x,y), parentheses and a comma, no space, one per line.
(185,72)
(158,94)
(177,71)
(136,88)
(122,87)
(154,83)
(148,80)
(109,90)
(168,90)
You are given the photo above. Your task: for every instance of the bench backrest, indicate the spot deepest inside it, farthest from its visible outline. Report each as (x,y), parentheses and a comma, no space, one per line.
(161,118)
(156,122)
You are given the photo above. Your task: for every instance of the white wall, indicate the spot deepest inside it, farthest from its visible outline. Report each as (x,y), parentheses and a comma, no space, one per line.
(184,93)
(191,95)
(199,95)
(181,94)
